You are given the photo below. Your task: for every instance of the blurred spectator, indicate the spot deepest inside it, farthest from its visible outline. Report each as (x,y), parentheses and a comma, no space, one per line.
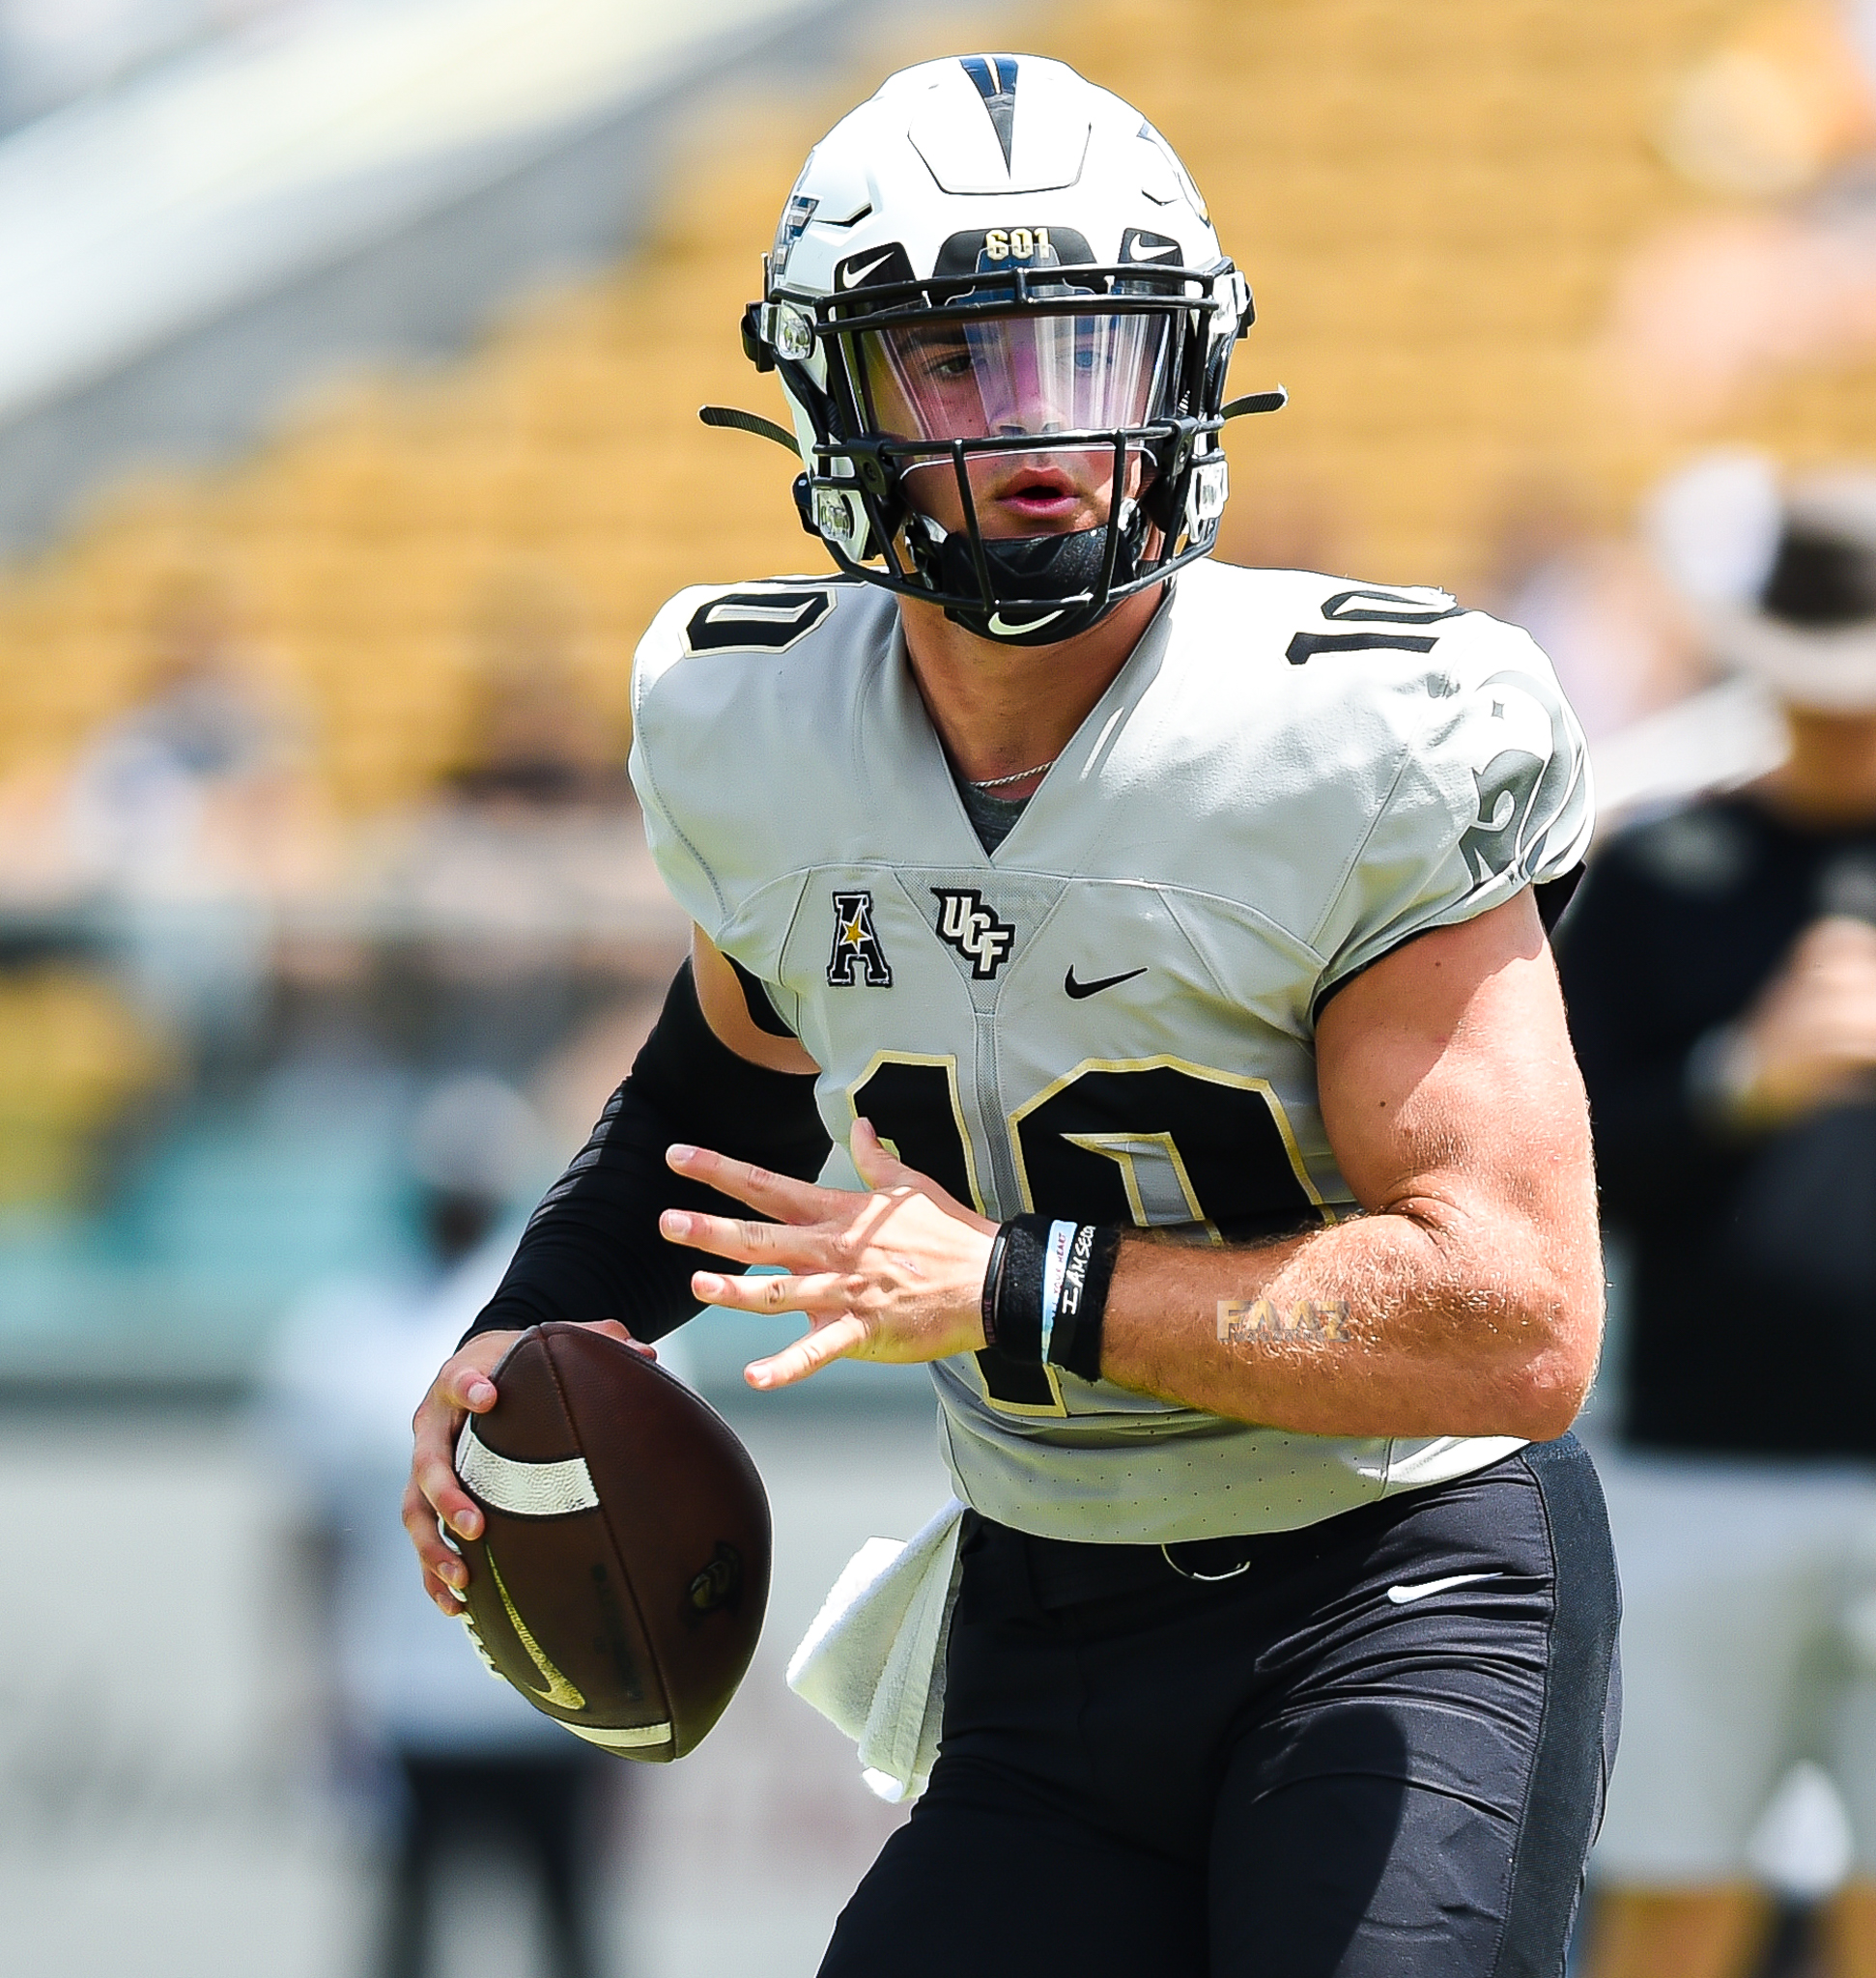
(535,739)
(1721,971)
(1622,643)
(201,791)
(202,784)
(471,1766)
(534,834)
(1781,115)
(196,814)
(1707,537)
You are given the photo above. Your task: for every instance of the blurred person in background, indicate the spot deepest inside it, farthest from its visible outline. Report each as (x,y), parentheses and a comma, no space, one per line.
(1622,642)
(204,783)
(192,815)
(1776,274)
(471,1768)
(532,832)
(1721,974)
(536,744)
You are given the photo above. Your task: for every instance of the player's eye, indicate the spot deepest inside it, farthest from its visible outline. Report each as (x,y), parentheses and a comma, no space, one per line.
(1090,348)
(947,363)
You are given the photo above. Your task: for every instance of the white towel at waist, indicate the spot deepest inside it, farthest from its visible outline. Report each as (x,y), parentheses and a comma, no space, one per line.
(873,1662)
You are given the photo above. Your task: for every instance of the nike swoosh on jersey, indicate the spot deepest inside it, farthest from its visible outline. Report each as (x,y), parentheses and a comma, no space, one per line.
(1080,989)
(1419,1590)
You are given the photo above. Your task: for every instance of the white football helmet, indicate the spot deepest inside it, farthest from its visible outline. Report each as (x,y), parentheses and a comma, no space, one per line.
(993,257)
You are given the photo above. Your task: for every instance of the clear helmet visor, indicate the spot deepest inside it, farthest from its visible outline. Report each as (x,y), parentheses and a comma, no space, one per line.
(1004,377)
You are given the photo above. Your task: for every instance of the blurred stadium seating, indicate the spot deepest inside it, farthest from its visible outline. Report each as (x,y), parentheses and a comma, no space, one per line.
(1435,211)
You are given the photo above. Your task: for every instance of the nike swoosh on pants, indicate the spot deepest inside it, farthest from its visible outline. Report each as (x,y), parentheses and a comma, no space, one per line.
(1419,1590)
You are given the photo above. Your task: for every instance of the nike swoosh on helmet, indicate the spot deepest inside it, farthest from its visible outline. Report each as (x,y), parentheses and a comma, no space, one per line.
(852,278)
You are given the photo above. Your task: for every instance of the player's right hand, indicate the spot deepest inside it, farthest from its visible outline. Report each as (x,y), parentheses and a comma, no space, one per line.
(1810,1039)
(462,1386)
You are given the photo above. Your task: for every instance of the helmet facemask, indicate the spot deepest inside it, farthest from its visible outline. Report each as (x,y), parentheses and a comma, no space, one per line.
(950,407)
(938,392)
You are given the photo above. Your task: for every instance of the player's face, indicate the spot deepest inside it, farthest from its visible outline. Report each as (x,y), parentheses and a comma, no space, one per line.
(1007,378)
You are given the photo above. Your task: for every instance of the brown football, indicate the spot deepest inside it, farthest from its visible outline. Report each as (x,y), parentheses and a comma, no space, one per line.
(620,1581)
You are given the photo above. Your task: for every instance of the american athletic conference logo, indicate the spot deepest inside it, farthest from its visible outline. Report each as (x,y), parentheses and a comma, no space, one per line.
(856,945)
(974,929)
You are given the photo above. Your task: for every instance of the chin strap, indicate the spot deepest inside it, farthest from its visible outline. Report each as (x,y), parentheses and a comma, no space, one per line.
(751,422)
(1251,402)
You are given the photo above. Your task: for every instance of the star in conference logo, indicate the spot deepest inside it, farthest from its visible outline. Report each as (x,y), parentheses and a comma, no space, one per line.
(856,945)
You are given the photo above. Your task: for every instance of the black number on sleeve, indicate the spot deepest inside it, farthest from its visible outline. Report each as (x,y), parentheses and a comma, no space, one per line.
(1527,799)
(1371,607)
(1307,644)
(766,621)
(1507,786)
(1385,608)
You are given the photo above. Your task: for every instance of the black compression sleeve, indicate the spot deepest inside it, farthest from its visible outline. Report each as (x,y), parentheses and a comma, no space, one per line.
(592,1249)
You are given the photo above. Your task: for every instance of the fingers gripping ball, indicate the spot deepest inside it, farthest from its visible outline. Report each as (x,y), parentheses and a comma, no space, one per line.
(620,1580)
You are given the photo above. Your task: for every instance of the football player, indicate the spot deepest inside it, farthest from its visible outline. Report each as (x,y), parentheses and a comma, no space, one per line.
(1159,945)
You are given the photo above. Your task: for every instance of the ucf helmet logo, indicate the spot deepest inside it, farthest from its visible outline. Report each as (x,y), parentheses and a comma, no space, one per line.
(856,946)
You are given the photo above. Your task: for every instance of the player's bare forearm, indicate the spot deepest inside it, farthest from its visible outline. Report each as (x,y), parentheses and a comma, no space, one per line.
(1415,1321)
(1466,1300)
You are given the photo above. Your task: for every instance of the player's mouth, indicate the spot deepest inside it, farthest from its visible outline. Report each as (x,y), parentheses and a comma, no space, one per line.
(1040,499)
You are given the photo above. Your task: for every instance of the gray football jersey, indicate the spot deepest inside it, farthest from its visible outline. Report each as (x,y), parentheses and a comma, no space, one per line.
(1112,1018)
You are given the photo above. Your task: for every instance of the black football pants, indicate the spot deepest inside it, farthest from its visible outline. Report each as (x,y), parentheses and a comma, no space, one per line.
(1329,1762)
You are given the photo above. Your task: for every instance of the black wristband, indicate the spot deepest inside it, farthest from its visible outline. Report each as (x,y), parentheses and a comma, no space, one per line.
(992,1279)
(1077,1340)
(1045,1290)
(1016,1289)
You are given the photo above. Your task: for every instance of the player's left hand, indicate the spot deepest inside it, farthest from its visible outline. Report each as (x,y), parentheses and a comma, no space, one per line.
(895,1274)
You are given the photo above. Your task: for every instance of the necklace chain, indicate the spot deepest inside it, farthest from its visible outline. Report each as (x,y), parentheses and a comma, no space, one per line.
(1021,776)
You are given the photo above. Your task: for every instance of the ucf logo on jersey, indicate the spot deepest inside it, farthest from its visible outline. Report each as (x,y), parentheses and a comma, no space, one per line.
(974,929)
